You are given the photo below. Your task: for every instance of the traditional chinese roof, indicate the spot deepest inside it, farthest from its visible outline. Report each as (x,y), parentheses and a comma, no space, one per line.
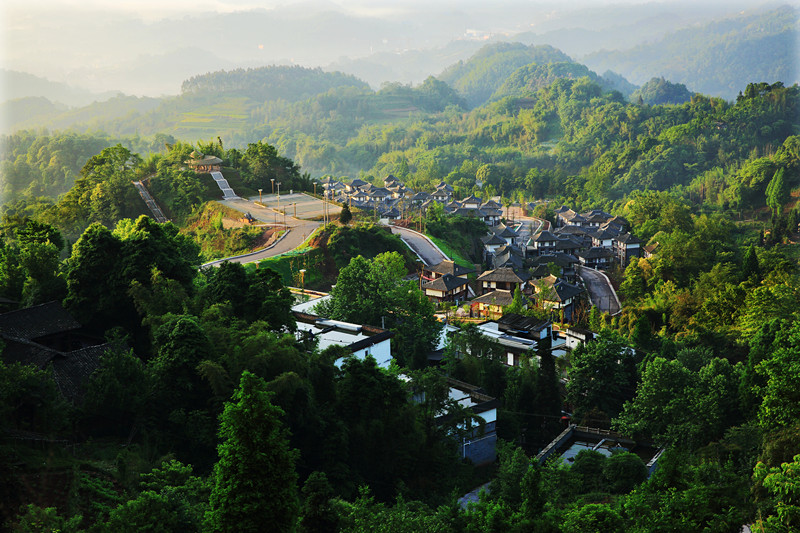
(504,231)
(196,158)
(561,259)
(556,290)
(595,253)
(628,238)
(571,243)
(598,213)
(603,235)
(420,197)
(507,275)
(545,236)
(450,267)
(448,282)
(571,230)
(468,212)
(492,239)
(507,259)
(472,200)
(492,204)
(390,213)
(379,192)
(540,271)
(620,221)
(498,297)
(37,321)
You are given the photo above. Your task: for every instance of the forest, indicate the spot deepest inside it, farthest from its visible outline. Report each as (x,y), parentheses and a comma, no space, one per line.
(208,412)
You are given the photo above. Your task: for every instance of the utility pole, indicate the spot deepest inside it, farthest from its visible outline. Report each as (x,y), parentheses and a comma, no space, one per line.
(259,196)
(279,195)
(295,209)
(273,185)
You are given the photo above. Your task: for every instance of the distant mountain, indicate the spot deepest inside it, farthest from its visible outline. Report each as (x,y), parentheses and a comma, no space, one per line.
(271,83)
(482,74)
(408,66)
(15,114)
(616,82)
(39,112)
(718,58)
(16,85)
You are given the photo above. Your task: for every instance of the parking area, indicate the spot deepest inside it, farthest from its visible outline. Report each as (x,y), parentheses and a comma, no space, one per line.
(298,205)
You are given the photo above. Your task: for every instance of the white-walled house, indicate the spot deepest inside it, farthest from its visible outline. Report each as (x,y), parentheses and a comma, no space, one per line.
(362,340)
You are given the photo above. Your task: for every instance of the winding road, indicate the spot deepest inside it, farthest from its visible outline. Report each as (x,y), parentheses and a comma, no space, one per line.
(600,290)
(298,228)
(429,253)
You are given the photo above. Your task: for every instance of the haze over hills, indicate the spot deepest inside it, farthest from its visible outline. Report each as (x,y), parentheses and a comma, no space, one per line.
(103,49)
(718,57)
(470,48)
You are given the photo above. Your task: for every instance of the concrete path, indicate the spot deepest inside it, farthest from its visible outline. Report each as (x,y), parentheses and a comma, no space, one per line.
(426,250)
(473,496)
(601,292)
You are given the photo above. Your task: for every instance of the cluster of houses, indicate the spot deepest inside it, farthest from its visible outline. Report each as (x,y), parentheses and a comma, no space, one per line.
(596,238)
(495,289)
(395,200)
(543,267)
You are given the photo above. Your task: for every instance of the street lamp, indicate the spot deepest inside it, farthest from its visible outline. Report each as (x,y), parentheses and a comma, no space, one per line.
(303,279)
(259,196)
(273,185)
(279,194)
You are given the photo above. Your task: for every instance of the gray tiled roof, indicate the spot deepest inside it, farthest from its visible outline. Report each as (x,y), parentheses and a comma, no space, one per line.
(498,297)
(448,282)
(450,267)
(37,321)
(508,275)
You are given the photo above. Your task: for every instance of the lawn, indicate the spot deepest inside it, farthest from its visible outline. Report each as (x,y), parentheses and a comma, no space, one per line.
(451,253)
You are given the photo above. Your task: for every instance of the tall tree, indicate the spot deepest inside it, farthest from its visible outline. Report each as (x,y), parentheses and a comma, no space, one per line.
(374,293)
(255,483)
(602,376)
(777,192)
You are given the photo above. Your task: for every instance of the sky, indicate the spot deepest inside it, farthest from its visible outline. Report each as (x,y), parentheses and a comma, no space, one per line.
(147,47)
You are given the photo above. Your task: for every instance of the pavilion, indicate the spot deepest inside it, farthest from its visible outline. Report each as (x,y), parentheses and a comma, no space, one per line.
(204,163)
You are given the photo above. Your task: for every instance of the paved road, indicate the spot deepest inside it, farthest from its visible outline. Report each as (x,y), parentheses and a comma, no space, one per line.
(529,226)
(423,247)
(299,229)
(600,290)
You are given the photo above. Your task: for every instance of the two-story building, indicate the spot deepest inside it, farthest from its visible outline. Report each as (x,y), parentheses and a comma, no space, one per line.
(506,279)
(556,295)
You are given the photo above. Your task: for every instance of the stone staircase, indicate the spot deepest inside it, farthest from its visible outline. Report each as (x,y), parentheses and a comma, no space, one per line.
(150,201)
(222,183)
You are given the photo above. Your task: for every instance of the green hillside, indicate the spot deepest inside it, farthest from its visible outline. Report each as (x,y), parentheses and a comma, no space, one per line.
(477,78)
(527,80)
